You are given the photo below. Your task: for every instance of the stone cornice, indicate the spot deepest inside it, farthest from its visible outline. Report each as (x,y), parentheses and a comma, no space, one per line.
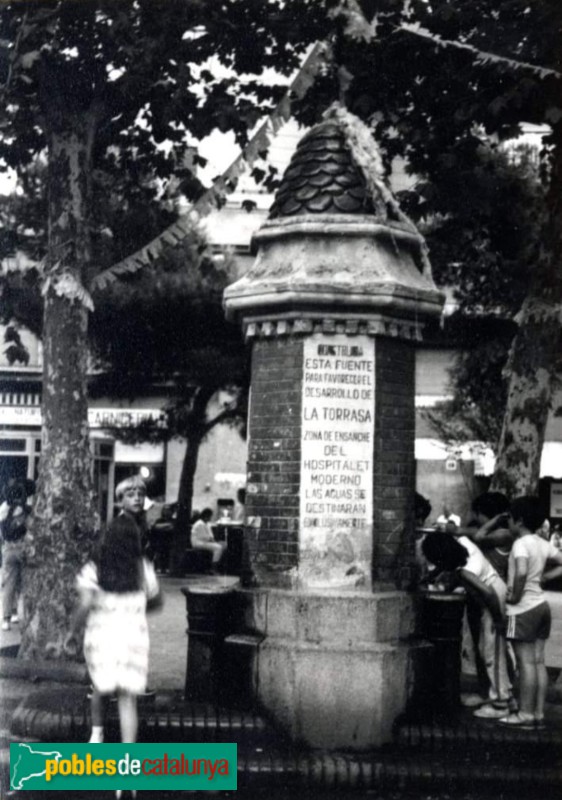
(293,324)
(341,225)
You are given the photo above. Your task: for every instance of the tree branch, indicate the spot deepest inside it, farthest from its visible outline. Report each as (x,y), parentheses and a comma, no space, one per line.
(228,412)
(13,59)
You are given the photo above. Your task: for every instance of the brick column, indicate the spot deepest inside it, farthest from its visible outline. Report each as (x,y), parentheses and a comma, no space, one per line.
(274,451)
(394,464)
(274,459)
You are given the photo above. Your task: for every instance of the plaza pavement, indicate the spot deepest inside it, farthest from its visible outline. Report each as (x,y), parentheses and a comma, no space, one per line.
(168,660)
(422,764)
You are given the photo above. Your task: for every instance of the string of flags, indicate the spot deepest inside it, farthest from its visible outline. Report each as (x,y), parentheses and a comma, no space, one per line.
(222,186)
(481,56)
(359,28)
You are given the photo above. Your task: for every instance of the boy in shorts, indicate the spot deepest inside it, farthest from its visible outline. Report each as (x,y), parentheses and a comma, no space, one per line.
(528,613)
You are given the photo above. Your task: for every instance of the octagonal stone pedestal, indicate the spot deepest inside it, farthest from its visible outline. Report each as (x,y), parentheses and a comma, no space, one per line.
(335,668)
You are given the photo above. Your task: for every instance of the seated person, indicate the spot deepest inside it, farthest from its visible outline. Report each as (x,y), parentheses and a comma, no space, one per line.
(202,537)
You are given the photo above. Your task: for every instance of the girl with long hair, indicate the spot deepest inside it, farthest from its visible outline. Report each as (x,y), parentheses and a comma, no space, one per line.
(113,589)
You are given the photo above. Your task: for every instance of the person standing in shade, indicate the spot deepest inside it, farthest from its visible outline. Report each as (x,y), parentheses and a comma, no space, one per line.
(13,525)
(161,534)
(202,537)
(240,507)
(493,535)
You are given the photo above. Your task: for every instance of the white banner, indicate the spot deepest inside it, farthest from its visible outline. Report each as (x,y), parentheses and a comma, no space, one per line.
(338,408)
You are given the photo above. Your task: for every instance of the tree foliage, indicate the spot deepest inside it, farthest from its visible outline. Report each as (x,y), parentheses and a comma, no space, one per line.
(433,78)
(485,249)
(112,96)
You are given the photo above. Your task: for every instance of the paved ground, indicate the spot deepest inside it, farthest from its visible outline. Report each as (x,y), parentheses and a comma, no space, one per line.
(167,677)
(168,659)
(168,639)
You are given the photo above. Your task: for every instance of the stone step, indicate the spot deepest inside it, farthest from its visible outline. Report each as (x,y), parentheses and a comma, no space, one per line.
(389,771)
(392,769)
(465,736)
(446,774)
(56,717)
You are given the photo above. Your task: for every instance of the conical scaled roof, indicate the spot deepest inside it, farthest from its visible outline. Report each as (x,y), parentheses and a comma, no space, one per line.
(322,177)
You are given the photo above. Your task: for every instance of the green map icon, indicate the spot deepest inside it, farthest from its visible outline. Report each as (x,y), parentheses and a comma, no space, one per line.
(28,765)
(71,766)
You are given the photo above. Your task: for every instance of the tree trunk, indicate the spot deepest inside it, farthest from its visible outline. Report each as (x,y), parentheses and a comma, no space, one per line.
(64,524)
(531,364)
(182,527)
(194,436)
(535,356)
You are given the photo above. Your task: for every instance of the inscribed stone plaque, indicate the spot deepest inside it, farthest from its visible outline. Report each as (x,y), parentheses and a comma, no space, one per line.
(336,498)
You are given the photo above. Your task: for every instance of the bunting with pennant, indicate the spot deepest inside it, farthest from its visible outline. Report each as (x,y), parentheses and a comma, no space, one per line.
(481,56)
(214,196)
(359,28)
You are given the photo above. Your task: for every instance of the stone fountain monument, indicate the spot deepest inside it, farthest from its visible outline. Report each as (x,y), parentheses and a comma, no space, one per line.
(333,307)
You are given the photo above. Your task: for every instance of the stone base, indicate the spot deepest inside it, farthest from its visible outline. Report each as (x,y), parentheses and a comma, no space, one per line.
(335,669)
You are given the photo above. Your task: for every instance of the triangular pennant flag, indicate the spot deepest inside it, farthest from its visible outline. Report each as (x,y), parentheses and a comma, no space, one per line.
(214,196)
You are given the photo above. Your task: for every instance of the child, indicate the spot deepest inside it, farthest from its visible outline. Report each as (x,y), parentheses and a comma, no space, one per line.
(113,593)
(493,536)
(528,613)
(481,580)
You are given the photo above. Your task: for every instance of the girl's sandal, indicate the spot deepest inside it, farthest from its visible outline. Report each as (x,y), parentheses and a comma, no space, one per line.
(516,720)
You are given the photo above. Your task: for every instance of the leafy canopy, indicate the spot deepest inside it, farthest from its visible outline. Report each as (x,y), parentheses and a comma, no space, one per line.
(149,78)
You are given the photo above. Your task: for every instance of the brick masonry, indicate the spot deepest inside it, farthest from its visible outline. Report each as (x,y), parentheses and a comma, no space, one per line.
(274,452)
(394,465)
(272,502)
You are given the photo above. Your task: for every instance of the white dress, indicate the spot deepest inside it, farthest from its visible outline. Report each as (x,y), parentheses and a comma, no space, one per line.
(116,637)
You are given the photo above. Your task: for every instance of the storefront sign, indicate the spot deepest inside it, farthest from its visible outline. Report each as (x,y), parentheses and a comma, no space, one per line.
(336,501)
(20,415)
(97,417)
(121,417)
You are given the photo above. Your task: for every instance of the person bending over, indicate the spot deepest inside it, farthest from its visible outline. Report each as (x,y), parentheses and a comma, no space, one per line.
(482,582)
